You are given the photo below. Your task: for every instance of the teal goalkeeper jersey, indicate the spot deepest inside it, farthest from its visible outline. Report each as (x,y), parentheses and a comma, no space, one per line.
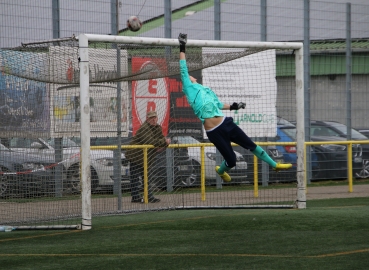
(202,99)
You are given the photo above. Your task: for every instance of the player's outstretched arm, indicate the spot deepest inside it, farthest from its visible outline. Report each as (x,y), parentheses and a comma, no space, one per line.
(226,106)
(182,38)
(185,77)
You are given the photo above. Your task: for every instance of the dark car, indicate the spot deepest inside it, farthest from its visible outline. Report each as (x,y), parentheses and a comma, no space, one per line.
(173,167)
(276,154)
(286,132)
(329,161)
(24,175)
(338,130)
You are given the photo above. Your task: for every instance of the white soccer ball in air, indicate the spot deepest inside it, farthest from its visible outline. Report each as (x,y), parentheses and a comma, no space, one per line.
(134,24)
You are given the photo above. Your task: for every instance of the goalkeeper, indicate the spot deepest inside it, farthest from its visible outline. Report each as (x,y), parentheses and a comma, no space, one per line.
(220,130)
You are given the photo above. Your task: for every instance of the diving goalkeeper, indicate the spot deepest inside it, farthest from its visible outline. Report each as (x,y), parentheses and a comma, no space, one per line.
(220,130)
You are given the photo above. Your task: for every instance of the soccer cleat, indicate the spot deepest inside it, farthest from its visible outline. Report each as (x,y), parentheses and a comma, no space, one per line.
(225,176)
(281,166)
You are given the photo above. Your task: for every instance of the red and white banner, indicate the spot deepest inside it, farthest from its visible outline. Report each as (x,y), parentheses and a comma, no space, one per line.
(150,95)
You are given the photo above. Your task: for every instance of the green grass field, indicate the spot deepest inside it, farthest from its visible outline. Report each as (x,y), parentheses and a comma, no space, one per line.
(329,234)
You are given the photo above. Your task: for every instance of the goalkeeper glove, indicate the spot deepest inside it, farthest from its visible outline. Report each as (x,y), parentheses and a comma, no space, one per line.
(182,38)
(237,106)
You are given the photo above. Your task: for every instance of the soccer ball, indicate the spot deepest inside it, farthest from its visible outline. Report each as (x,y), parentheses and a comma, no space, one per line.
(134,24)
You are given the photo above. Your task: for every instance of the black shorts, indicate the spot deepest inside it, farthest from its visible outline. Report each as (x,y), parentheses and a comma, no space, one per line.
(224,134)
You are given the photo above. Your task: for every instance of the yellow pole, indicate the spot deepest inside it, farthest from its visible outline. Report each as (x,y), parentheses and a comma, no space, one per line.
(203,173)
(349,165)
(256,182)
(146,186)
(305,178)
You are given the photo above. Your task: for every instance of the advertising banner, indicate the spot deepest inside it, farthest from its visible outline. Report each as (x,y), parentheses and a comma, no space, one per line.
(24,104)
(65,99)
(183,121)
(252,80)
(150,95)
(165,96)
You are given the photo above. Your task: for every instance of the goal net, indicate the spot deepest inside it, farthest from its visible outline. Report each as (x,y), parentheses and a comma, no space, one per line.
(107,129)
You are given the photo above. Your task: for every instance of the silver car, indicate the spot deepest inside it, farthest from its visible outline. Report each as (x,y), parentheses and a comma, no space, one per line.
(22,174)
(102,172)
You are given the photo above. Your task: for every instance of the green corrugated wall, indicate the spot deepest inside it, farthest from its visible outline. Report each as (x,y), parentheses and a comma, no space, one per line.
(325,64)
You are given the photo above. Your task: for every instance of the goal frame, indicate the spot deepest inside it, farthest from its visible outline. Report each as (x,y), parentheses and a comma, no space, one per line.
(83,41)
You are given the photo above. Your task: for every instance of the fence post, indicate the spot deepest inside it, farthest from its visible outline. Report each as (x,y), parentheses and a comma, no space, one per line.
(117,166)
(263,20)
(217,21)
(218,160)
(58,145)
(56,18)
(348,70)
(307,84)
(167,19)
(169,153)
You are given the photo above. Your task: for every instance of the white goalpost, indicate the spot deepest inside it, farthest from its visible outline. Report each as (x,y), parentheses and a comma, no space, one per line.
(84,40)
(81,102)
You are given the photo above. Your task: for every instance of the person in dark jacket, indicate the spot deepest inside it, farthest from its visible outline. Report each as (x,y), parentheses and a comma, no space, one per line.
(220,130)
(150,133)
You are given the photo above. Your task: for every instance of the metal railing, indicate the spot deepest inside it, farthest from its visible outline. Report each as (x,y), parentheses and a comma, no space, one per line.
(255,168)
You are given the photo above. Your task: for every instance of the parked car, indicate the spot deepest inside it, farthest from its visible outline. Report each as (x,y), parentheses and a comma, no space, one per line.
(23,174)
(336,129)
(102,177)
(286,132)
(364,131)
(238,173)
(364,173)
(275,154)
(173,167)
(329,161)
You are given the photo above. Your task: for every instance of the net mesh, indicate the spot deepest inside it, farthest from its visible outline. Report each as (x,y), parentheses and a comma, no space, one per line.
(41,115)
(57,62)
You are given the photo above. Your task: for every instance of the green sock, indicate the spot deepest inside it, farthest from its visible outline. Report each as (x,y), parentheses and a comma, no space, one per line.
(223,168)
(260,153)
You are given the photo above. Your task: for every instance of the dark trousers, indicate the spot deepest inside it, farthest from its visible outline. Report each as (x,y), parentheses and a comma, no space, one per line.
(136,179)
(228,132)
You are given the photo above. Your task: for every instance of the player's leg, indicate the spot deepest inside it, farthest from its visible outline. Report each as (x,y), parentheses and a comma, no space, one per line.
(228,163)
(239,137)
(260,153)
(221,140)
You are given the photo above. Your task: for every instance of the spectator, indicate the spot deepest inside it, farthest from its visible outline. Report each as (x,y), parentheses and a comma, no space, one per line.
(150,133)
